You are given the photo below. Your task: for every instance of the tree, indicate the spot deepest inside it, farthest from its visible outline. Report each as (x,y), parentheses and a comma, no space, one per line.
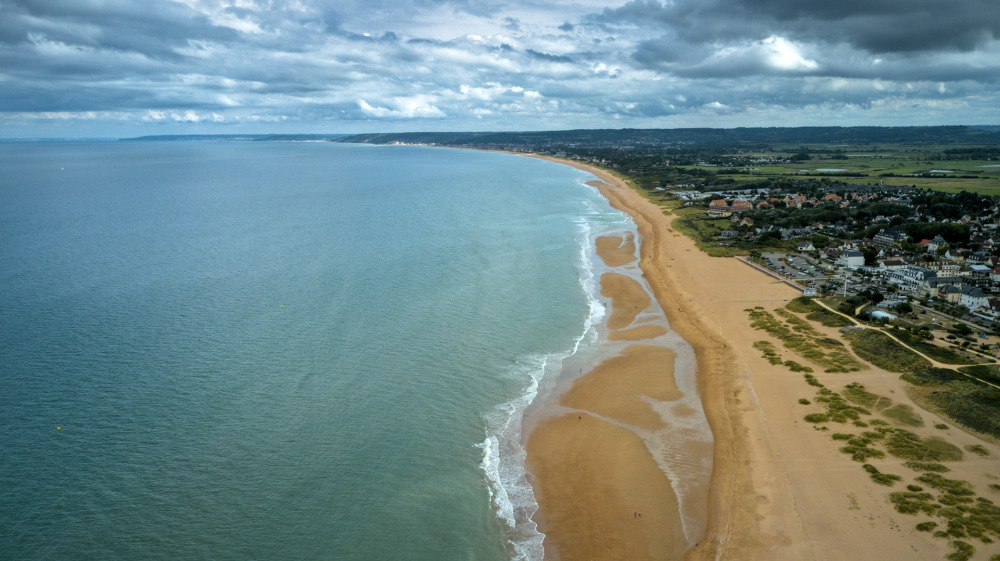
(904,308)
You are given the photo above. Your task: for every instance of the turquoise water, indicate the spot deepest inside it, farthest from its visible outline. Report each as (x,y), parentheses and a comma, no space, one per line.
(280,350)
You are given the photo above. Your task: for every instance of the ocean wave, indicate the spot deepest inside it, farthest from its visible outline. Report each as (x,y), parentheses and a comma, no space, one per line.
(503,460)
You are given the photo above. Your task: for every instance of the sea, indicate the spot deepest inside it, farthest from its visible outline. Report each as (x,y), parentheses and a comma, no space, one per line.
(282,350)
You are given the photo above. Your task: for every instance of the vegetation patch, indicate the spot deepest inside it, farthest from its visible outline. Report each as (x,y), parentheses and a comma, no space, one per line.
(767,351)
(796,367)
(977,449)
(800,337)
(940,354)
(857,393)
(927,467)
(804,305)
(829,319)
(887,479)
(987,372)
(967,402)
(909,446)
(963,551)
(878,349)
(904,414)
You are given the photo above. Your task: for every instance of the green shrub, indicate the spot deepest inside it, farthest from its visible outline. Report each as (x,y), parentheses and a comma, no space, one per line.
(796,367)
(862,453)
(880,350)
(963,551)
(927,467)
(907,445)
(887,479)
(903,414)
(858,394)
(977,449)
(817,418)
(926,526)
(804,305)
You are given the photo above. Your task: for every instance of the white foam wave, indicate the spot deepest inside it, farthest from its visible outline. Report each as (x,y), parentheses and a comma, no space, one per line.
(503,456)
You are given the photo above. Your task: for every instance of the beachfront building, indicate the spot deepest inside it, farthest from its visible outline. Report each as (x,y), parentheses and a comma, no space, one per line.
(972,298)
(909,278)
(852,258)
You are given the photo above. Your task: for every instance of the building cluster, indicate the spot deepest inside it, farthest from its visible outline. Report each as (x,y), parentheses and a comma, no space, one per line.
(965,273)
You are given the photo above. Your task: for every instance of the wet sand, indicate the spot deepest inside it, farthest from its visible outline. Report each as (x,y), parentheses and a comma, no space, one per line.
(616,251)
(591,461)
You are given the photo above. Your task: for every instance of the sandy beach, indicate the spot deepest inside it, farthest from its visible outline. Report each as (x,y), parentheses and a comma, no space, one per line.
(779,489)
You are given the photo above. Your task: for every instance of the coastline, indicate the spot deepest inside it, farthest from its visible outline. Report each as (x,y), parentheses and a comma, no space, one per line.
(669,262)
(778,489)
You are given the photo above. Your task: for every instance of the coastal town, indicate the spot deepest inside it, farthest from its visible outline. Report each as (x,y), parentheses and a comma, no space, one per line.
(900,249)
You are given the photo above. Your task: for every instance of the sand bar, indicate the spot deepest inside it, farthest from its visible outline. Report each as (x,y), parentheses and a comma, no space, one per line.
(616,251)
(612,466)
(628,299)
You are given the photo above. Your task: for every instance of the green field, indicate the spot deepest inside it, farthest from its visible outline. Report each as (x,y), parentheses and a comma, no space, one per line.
(888,165)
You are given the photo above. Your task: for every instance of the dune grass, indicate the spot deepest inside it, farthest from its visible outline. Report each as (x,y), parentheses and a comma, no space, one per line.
(882,351)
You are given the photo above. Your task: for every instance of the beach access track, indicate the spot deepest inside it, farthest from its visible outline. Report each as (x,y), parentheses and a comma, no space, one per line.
(783,278)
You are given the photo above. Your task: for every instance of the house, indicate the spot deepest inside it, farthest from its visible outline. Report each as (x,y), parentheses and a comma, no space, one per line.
(910,277)
(740,206)
(887,237)
(852,258)
(805,246)
(892,264)
(935,243)
(978,257)
(972,298)
(933,285)
(728,234)
(949,293)
(719,208)
(792,233)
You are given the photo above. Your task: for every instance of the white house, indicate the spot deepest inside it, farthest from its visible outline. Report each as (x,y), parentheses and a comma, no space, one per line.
(852,258)
(972,298)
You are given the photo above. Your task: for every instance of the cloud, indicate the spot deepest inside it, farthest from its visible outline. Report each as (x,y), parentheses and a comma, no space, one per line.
(493,64)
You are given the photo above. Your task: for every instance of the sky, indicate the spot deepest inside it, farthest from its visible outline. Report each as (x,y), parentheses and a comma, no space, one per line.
(116,68)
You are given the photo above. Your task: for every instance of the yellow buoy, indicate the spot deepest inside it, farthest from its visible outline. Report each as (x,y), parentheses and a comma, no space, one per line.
(58,428)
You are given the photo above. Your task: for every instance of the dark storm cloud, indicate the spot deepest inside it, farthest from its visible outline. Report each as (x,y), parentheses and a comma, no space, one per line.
(876,26)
